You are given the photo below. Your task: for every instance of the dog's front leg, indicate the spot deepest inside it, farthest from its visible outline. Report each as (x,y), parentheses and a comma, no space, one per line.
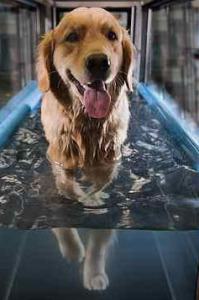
(70,244)
(94,274)
(66,183)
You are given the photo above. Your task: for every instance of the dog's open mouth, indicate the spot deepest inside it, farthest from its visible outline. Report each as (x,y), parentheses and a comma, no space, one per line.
(95,96)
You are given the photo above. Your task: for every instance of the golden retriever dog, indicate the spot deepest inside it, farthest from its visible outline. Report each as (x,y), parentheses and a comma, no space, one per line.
(85,68)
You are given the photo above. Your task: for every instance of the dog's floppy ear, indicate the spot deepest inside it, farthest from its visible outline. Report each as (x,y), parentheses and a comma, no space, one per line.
(128,64)
(44,62)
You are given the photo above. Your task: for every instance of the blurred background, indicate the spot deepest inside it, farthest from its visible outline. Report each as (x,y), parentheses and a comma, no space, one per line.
(165,33)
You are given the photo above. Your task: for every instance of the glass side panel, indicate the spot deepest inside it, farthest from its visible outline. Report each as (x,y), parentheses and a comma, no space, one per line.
(17,48)
(174,58)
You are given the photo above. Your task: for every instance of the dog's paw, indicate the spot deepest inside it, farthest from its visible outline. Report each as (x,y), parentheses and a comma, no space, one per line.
(97,283)
(72,253)
(92,200)
(94,275)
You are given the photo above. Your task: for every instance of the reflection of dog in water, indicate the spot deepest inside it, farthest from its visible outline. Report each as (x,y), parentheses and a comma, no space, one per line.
(85,68)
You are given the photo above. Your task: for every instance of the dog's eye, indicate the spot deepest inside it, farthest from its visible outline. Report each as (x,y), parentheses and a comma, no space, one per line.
(73,37)
(112,36)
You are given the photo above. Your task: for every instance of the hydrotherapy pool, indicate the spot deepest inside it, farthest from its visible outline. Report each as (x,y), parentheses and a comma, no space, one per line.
(155,186)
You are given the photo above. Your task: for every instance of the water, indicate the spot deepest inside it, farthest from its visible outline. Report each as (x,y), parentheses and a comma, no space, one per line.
(153,186)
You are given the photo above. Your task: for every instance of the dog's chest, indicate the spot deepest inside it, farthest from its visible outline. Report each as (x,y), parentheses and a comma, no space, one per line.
(96,141)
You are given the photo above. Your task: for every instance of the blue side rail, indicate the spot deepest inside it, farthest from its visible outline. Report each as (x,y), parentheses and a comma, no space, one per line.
(14,112)
(179,128)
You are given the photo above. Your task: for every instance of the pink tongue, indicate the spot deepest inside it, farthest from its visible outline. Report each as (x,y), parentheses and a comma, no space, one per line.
(97,102)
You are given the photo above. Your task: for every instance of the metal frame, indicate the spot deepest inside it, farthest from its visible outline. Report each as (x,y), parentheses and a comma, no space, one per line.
(27,3)
(136,37)
(156,4)
(144,43)
(89,3)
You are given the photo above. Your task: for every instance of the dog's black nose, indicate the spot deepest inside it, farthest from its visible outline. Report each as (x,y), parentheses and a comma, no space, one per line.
(98,66)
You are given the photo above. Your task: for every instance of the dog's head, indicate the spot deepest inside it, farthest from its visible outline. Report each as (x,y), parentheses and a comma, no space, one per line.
(91,54)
